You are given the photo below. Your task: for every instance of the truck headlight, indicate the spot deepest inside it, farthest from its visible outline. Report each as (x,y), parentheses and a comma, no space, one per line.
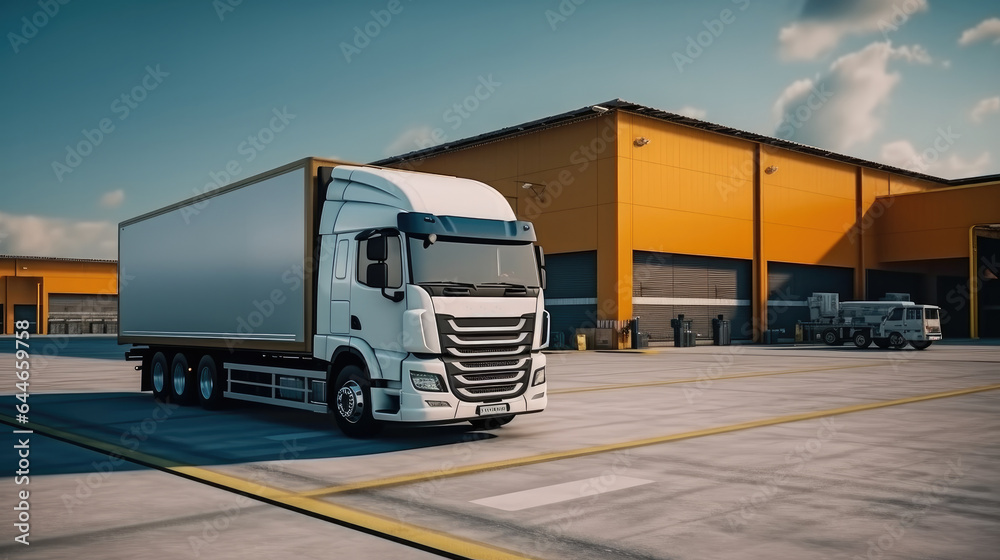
(427,381)
(539,377)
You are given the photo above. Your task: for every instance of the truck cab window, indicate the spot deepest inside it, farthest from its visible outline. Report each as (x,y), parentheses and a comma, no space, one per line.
(913,315)
(896,314)
(380,249)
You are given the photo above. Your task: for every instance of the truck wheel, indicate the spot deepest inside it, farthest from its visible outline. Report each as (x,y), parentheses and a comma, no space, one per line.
(210,385)
(882,343)
(159,377)
(491,423)
(862,340)
(920,344)
(831,338)
(181,382)
(897,341)
(352,404)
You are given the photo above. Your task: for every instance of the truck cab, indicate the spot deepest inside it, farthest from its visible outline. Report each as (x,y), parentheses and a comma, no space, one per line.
(437,287)
(920,325)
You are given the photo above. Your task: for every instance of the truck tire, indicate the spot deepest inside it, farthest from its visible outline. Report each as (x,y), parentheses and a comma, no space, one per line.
(862,340)
(210,384)
(181,381)
(159,377)
(831,338)
(351,404)
(897,341)
(920,344)
(491,423)
(882,343)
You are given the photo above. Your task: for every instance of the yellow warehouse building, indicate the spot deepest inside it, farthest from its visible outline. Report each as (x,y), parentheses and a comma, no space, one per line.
(649,214)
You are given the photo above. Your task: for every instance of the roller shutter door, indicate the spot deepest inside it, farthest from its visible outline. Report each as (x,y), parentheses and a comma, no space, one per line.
(666,285)
(790,285)
(570,294)
(83,313)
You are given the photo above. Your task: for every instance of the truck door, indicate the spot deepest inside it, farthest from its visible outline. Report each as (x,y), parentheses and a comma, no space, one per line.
(377,297)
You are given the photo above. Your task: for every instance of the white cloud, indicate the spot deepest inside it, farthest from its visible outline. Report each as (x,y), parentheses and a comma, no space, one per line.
(39,236)
(416,138)
(985,107)
(933,161)
(693,112)
(113,199)
(823,23)
(842,107)
(983,31)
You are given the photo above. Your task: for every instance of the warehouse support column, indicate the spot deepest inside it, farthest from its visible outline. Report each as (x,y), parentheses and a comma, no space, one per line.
(759,304)
(973,284)
(859,235)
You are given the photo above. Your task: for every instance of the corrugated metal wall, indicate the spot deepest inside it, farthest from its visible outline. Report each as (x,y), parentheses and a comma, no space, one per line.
(665,285)
(571,294)
(789,286)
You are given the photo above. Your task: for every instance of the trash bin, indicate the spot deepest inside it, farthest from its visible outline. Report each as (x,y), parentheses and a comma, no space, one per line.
(683,333)
(581,342)
(721,332)
(634,334)
(643,340)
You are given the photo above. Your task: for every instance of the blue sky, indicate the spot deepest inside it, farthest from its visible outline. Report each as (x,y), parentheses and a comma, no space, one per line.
(114,108)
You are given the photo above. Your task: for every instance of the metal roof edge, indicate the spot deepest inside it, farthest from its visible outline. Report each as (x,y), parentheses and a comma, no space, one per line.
(643,110)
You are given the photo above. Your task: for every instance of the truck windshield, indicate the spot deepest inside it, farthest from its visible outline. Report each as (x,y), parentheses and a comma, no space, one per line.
(473,263)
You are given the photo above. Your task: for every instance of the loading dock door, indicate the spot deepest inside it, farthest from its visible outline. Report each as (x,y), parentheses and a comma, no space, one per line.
(790,285)
(83,313)
(665,285)
(27,313)
(571,294)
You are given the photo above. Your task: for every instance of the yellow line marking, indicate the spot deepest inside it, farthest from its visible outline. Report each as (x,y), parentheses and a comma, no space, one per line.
(570,454)
(393,529)
(699,379)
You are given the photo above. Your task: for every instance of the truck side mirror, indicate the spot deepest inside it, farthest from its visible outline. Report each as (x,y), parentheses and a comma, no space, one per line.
(377,249)
(377,274)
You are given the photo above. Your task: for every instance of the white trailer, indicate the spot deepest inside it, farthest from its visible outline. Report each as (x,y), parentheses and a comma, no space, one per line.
(886,323)
(371,294)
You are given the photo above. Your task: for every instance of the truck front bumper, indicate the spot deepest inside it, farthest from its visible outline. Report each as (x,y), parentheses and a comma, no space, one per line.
(437,406)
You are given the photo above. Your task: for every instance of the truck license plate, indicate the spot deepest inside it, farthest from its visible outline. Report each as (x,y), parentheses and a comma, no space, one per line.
(492,409)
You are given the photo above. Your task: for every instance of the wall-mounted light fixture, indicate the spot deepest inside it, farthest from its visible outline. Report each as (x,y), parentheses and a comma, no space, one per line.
(641,141)
(599,109)
(536,188)
(771,169)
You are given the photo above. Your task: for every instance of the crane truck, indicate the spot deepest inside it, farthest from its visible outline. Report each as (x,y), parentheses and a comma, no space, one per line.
(888,324)
(373,295)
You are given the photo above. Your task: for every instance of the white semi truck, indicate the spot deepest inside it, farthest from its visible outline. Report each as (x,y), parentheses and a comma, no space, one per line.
(370,294)
(886,323)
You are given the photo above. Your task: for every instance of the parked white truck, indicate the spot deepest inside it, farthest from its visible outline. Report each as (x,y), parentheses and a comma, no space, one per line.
(371,294)
(886,323)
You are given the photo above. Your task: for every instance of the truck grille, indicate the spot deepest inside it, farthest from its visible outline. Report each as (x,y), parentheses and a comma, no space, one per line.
(487,358)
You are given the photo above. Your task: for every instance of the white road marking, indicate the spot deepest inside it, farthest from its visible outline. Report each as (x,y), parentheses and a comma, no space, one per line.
(299,435)
(516,501)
